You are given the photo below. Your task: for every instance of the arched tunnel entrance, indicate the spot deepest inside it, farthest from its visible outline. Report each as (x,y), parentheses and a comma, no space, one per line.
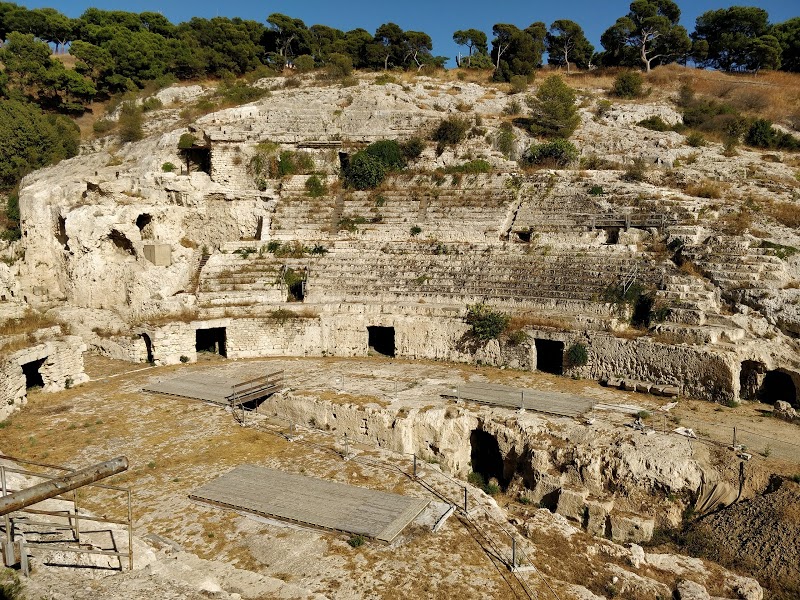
(486,457)
(757,383)
(778,385)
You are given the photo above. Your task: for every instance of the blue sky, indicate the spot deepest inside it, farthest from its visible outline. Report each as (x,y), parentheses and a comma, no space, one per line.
(439,19)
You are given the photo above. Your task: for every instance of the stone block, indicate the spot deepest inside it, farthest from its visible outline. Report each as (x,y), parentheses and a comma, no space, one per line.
(598,516)
(158,254)
(572,504)
(545,488)
(627,528)
(689,590)
(643,387)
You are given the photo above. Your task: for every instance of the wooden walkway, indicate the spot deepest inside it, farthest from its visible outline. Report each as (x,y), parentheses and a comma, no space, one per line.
(201,386)
(552,403)
(311,501)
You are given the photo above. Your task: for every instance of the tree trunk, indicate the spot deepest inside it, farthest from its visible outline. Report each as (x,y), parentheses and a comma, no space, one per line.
(566,57)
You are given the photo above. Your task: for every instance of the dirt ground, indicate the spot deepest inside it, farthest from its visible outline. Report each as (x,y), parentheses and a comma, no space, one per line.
(174,445)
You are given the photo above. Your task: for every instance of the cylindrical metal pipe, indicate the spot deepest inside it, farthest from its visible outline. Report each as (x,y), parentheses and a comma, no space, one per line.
(54,487)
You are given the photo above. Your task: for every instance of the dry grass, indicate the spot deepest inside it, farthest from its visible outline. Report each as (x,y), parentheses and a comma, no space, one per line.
(707,189)
(785,213)
(30,322)
(187,315)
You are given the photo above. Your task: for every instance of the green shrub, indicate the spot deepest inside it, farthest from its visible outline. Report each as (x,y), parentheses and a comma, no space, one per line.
(239,92)
(487,324)
(476,479)
(519,83)
(151,103)
(451,131)
(412,148)
(130,122)
(315,187)
(596,190)
(388,152)
(356,541)
(304,63)
(168,167)
(184,359)
(655,123)
(553,110)
(696,140)
(103,125)
(558,152)
(187,141)
(339,65)
(636,170)
(762,134)
(364,172)
(504,139)
(577,355)
(10,585)
(415,230)
(628,84)
(518,337)
(492,489)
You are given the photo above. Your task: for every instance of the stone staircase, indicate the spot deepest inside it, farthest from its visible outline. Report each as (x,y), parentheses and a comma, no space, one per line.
(229,279)
(546,277)
(734,262)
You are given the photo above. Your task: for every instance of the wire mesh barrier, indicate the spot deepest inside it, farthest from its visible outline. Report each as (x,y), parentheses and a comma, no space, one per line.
(743,440)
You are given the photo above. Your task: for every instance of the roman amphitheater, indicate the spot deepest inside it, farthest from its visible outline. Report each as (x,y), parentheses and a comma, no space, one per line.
(248,341)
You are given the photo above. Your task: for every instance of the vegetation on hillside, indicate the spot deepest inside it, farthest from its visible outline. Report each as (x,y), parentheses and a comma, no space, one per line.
(113,53)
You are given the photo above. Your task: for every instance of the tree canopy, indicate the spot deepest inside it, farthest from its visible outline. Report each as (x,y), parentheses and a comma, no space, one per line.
(648,35)
(735,38)
(566,42)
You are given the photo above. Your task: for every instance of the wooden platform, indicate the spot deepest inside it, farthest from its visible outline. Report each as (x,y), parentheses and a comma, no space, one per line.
(311,501)
(552,403)
(199,386)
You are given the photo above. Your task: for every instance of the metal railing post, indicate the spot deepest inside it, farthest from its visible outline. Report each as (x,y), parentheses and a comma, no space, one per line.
(465,499)
(130,533)
(415,466)
(513,552)
(75,506)
(9,531)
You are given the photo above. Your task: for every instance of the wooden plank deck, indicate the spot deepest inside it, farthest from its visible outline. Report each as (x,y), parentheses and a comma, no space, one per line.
(199,386)
(311,501)
(553,403)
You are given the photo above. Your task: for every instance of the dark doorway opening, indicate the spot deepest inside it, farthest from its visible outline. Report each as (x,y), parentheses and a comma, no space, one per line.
(199,157)
(778,385)
(295,284)
(344,161)
(61,233)
(121,242)
(550,356)
(524,236)
(143,222)
(33,378)
(486,458)
(211,340)
(148,344)
(751,376)
(612,235)
(381,340)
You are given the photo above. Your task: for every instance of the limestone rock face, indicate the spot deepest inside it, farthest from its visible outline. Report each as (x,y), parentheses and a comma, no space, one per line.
(689,590)
(784,410)
(631,528)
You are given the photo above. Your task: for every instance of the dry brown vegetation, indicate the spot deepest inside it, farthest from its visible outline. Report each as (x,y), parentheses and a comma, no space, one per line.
(31,321)
(785,213)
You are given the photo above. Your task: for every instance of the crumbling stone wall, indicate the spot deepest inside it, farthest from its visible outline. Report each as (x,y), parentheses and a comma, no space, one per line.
(62,368)
(697,372)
